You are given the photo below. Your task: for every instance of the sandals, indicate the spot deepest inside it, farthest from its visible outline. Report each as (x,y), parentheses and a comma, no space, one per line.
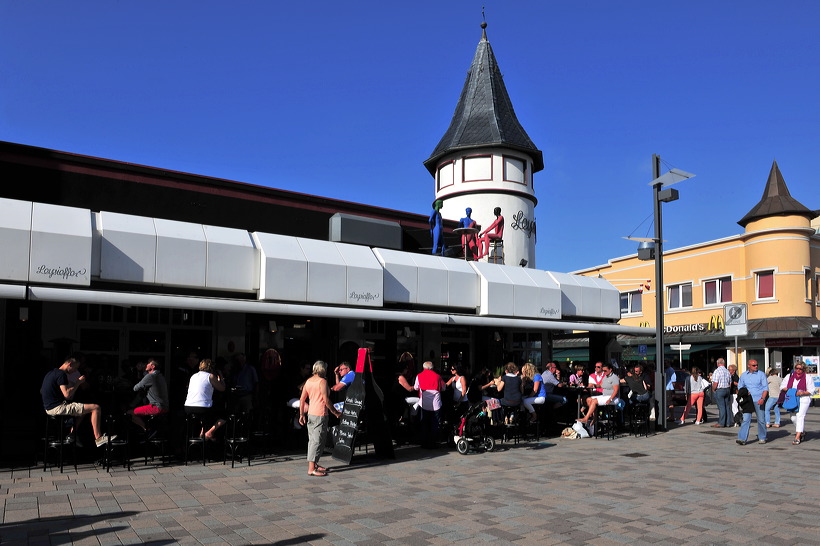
(797,440)
(320,469)
(317,473)
(776,426)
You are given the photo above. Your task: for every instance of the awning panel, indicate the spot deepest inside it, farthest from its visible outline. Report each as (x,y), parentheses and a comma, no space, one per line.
(433,280)
(327,272)
(283,268)
(497,291)
(365,276)
(549,294)
(232,261)
(462,283)
(181,253)
(400,275)
(15,239)
(60,245)
(128,248)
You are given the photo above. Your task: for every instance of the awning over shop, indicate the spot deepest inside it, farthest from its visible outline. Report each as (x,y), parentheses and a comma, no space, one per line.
(518,292)
(571,355)
(632,352)
(15,240)
(60,245)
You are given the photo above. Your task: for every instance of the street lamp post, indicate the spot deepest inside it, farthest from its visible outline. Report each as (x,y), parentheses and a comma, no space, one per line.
(661,194)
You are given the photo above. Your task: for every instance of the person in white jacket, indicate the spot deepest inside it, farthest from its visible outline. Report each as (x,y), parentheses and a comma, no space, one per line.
(800,381)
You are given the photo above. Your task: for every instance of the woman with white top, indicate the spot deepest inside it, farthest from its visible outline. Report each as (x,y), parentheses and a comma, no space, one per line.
(800,381)
(200,397)
(695,385)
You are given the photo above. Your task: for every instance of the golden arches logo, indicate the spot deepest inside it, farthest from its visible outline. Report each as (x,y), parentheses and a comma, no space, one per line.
(716,323)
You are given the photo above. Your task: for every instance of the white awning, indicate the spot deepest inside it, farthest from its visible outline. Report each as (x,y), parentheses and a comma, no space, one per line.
(39,293)
(128,248)
(60,245)
(517,291)
(427,280)
(12,292)
(181,253)
(283,268)
(232,261)
(15,239)
(365,276)
(587,296)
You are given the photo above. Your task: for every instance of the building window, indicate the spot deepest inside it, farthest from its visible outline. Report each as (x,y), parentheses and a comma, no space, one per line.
(808,282)
(515,170)
(478,168)
(717,291)
(631,302)
(679,295)
(817,289)
(446,174)
(764,281)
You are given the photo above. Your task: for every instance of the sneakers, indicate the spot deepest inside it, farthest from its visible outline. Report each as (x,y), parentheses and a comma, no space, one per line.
(698,422)
(740,442)
(761,441)
(102,440)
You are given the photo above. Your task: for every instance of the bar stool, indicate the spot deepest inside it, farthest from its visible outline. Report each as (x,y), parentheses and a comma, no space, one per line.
(159,441)
(495,252)
(237,438)
(639,418)
(606,421)
(119,445)
(194,423)
(55,439)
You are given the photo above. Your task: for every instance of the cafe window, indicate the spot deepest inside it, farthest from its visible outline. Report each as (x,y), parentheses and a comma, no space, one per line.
(764,284)
(679,295)
(631,302)
(717,291)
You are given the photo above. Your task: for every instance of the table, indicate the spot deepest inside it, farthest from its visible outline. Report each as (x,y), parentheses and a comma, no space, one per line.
(466,233)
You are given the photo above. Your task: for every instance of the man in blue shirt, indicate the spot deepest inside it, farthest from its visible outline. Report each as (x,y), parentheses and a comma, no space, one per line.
(344,377)
(757,384)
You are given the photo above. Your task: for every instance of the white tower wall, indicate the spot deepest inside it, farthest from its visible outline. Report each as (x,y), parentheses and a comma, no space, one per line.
(483,179)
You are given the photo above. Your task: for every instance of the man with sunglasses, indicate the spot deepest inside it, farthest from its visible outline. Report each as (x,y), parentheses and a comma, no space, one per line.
(757,384)
(800,381)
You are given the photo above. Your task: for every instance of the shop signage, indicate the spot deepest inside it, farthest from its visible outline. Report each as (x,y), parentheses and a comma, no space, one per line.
(519,221)
(715,324)
(783,342)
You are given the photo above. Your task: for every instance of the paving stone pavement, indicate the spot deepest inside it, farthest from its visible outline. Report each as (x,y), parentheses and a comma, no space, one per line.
(692,484)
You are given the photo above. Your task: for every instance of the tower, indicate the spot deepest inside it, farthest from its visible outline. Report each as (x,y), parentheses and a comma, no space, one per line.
(486,159)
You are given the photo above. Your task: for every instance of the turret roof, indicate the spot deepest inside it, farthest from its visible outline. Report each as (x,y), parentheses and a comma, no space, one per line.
(776,201)
(484,115)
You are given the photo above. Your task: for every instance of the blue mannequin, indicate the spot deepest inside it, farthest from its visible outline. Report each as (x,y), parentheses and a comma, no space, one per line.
(437,227)
(468,240)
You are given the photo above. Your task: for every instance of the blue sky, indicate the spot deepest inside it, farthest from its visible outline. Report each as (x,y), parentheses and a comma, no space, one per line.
(346,99)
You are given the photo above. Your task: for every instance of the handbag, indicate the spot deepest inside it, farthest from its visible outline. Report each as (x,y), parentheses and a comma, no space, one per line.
(791,402)
(578,427)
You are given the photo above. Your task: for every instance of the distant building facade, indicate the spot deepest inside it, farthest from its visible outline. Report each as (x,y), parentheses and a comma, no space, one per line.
(773,267)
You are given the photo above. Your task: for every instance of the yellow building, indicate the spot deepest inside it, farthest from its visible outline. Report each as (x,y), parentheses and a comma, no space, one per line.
(773,267)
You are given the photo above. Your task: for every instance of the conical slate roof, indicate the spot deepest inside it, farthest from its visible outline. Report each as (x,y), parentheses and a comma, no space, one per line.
(484,114)
(776,200)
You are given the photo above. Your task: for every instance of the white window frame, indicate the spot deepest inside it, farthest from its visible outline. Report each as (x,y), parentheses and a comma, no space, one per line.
(756,273)
(680,305)
(718,291)
(808,277)
(630,311)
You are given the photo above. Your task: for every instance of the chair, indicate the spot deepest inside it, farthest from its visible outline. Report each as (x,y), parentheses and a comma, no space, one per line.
(606,421)
(262,431)
(237,438)
(639,418)
(119,425)
(495,253)
(194,425)
(55,439)
(513,425)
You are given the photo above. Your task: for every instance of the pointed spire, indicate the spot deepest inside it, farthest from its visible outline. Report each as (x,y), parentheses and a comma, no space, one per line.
(484,115)
(776,200)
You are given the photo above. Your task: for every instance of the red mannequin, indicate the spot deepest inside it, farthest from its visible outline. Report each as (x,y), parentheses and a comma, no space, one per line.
(489,235)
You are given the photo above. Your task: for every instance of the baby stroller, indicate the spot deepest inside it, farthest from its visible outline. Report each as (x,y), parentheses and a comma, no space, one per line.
(473,430)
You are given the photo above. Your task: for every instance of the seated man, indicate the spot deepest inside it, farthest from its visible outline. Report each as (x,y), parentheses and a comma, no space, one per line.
(57,391)
(550,382)
(610,386)
(157,396)
(344,377)
(638,389)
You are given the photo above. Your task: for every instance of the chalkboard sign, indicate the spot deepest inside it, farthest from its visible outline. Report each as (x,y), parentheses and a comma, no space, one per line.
(351,412)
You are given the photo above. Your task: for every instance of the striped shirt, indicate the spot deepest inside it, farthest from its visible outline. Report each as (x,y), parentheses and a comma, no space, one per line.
(722,377)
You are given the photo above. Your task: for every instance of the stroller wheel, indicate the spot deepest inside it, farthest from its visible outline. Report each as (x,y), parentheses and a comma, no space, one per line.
(462,446)
(489,443)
